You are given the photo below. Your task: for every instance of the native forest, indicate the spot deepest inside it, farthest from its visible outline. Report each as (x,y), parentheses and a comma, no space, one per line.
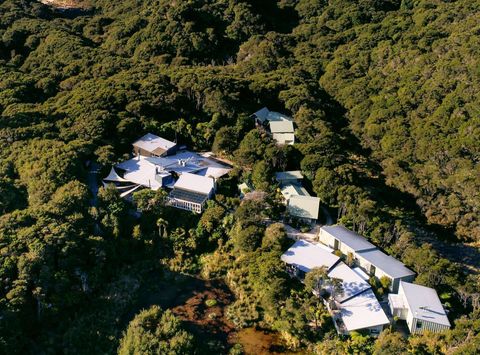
(384,100)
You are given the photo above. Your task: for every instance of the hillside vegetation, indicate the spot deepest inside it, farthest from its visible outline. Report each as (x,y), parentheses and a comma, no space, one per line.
(385,98)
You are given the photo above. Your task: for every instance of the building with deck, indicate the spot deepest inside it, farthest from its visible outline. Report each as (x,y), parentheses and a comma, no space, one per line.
(191,192)
(158,164)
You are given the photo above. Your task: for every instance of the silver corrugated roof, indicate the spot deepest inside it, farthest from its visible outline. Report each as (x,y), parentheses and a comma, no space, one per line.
(386,263)
(349,238)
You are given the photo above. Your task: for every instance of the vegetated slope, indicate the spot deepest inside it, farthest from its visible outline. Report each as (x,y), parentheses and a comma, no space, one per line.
(77,89)
(410,84)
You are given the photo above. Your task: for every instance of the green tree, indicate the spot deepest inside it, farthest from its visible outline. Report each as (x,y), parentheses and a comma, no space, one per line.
(154,331)
(390,342)
(262,176)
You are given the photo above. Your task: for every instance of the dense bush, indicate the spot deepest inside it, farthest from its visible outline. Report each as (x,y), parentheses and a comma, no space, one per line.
(384,95)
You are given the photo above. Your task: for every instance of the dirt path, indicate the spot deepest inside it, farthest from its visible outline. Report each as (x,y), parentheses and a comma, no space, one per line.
(310,236)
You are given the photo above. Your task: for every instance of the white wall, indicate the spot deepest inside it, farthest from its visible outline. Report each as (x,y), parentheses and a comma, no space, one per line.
(326,238)
(425,325)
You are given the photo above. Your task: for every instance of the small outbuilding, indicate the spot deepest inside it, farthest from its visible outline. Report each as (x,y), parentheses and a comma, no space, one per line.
(279,125)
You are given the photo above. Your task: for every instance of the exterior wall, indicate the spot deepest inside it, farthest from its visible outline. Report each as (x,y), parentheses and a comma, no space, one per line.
(345,249)
(145,153)
(365,265)
(139,151)
(401,313)
(394,287)
(409,319)
(330,241)
(395,282)
(187,205)
(372,331)
(326,239)
(418,326)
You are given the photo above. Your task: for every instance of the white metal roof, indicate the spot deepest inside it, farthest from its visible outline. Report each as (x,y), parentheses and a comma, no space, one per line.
(113,176)
(288,175)
(361,273)
(389,265)
(306,256)
(424,303)
(191,162)
(140,171)
(195,183)
(304,206)
(150,142)
(349,238)
(214,172)
(362,311)
(352,283)
(277,116)
(282,127)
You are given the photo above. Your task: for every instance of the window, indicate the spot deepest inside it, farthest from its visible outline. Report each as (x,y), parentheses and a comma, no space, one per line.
(419,324)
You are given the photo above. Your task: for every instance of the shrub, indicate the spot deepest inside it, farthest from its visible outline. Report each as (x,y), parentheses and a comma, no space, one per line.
(211,303)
